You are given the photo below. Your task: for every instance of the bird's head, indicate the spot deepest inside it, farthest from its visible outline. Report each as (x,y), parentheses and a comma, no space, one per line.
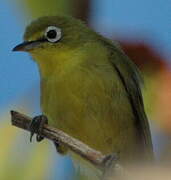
(53,36)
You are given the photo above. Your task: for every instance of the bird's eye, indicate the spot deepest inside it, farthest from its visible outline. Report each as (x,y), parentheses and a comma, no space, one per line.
(53,34)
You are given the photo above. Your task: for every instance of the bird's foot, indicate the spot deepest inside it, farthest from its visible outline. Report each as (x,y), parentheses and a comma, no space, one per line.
(36,126)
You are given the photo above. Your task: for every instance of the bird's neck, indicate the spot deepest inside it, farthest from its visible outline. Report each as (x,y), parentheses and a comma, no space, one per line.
(57,64)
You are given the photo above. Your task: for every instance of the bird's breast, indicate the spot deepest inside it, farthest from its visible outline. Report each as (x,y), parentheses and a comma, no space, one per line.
(89,104)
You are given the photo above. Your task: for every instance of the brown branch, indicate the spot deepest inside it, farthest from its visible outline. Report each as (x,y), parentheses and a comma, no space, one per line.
(56,135)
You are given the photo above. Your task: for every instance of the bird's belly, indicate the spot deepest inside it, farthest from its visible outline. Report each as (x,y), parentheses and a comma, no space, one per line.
(95,118)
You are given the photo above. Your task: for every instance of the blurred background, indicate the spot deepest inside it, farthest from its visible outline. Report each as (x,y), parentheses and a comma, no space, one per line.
(143,29)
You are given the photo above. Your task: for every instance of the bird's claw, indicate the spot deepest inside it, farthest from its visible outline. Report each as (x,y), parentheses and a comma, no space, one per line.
(36,126)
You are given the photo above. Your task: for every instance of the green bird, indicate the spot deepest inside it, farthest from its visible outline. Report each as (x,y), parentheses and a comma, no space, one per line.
(90,89)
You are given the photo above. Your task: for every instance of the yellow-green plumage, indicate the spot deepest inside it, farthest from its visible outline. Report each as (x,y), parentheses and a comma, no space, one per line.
(90,90)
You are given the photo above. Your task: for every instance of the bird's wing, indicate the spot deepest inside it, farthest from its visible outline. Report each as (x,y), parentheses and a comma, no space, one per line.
(131,79)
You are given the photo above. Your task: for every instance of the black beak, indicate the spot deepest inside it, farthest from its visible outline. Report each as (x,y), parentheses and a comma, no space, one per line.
(27,45)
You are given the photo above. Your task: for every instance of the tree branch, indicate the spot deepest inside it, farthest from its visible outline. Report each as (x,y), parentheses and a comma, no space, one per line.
(56,135)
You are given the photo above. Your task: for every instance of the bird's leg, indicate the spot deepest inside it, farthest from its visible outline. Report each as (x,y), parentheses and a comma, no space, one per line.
(36,126)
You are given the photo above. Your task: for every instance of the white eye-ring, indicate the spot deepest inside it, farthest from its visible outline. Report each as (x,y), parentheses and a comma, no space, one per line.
(53,34)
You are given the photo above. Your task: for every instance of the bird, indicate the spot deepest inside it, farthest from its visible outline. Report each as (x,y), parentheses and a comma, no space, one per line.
(90,89)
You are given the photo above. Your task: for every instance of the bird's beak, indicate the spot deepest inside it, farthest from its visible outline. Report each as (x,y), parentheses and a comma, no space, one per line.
(27,46)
